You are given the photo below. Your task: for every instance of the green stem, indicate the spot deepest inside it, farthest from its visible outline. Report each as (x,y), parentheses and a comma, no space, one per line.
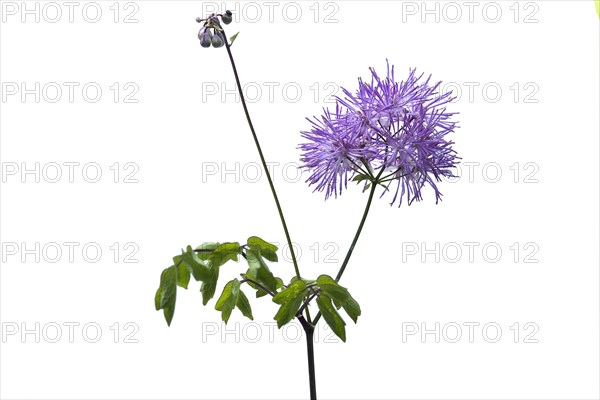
(356,236)
(262,157)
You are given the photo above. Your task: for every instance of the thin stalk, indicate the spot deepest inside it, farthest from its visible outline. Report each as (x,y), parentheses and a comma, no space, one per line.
(309,329)
(358,232)
(262,157)
(356,236)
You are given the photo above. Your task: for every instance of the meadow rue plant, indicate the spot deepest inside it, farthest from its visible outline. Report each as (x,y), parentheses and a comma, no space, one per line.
(387,135)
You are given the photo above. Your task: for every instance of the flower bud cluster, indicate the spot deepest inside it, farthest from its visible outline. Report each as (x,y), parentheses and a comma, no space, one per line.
(211,33)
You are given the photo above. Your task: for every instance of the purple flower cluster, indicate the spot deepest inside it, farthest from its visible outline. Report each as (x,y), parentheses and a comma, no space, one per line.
(388,133)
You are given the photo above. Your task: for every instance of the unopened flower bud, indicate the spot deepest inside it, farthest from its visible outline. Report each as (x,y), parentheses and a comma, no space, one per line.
(205,38)
(217,40)
(226,18)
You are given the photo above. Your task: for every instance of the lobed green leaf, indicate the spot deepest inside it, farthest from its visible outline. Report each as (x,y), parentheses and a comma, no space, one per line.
(268,250)
(244,306)
(340,296)
(195,265)
(331,316)
(228,299)
(183,276)
(209,286)
(166,295)
(258,269)
(223,253)
(290,299)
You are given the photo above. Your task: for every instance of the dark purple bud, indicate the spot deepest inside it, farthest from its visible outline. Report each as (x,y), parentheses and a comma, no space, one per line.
(205,38)
(218,40)
(226,18)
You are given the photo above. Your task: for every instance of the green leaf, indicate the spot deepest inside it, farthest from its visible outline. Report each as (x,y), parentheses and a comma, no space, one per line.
(258,269)
(209,286)
(168,283)
(259,291)
(358,178)
(157,298)
(268,250)
(225,252)
(331,316)
(183,276)
(306,281)
(169,311)
(290,300)
(340,296)
(244,306)
(232,39)
(352,308)
(256,241)
(228,299)
(166,295)
(195,265)
(332,288)
(269,255)
(206,250)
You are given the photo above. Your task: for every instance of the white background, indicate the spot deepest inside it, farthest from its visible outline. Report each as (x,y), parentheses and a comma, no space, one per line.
(182,139)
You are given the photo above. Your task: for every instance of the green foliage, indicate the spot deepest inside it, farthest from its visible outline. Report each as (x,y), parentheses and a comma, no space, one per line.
(166,295)
(339,295)
(183,274)
(331,316)
(306,281)
(223,253)
(259,291)
(205,249)
(290,300)
(204,263)
(258,269)
(268,250)
(359,177)
(209,286)
(198,268)
(244,306)
(228,299)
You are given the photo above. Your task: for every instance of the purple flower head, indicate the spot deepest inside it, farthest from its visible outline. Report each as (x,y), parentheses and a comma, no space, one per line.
(388,133)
